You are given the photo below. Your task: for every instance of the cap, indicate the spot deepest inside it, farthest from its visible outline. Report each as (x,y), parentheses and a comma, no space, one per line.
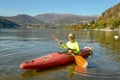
(71,35)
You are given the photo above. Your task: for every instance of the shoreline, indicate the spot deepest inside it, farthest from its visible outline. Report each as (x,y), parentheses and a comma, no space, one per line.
(107,29)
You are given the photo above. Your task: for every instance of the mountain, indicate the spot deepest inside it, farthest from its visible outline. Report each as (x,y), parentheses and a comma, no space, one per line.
(112,13)
(110,18)
(49,20)
(7,24)
(24,19)
(64,18)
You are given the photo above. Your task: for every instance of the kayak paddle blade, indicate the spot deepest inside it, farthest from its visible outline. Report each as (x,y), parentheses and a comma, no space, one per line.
(80,61)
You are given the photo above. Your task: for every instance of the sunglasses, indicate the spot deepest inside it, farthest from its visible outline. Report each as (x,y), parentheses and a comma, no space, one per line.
(71,37)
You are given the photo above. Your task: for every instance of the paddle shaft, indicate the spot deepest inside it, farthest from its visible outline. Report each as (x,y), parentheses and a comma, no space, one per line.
(56,39)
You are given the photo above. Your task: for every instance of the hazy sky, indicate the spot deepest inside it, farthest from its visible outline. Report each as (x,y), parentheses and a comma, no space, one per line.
(35,7)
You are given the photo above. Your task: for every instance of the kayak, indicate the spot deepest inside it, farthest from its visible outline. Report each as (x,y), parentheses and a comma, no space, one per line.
(53,59)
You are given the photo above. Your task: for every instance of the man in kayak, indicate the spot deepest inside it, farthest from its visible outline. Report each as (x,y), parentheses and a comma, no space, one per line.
(72,45)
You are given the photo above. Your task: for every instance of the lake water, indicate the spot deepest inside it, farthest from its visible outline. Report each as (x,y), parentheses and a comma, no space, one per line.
(17,46)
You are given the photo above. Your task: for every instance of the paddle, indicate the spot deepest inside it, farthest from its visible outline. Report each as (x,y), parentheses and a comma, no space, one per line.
(55,38)
(80,61)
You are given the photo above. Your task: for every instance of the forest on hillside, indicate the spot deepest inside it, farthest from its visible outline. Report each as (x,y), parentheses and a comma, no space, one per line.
(109,19)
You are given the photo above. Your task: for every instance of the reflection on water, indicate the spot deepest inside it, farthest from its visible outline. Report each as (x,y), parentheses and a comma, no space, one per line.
(107,39)
(17,46)
(71,69)
(31,73)
(80,70)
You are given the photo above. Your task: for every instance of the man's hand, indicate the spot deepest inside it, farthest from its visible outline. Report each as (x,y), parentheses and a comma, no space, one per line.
(59,42)
(70,51)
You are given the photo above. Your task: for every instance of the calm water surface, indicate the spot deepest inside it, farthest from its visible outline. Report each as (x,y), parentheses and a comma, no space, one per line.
(17,46)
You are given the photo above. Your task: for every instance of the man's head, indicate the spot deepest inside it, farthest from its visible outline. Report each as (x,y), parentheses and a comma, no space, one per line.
(71,37)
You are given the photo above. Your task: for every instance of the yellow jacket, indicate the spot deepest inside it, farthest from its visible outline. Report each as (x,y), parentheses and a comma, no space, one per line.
(74,46)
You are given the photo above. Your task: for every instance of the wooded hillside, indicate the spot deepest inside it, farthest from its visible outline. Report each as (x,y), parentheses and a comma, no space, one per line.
(109,19)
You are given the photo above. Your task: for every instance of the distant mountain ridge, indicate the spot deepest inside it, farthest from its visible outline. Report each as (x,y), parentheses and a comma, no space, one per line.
(49,19)
(55,17)
(24,19)
(7,24)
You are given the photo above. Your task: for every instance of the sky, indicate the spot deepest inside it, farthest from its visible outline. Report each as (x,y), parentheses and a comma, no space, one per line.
(36,7)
